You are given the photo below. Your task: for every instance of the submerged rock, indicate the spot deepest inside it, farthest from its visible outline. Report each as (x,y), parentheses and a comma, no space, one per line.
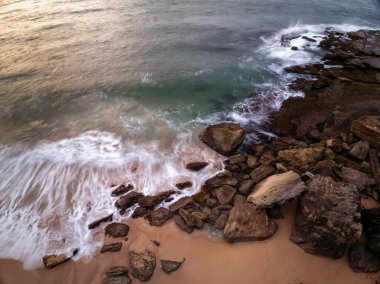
(117,230)
(363,260)
(327,217)
(277,189)
(169,266)
(248,223)
(117,271)
(96,223)
(224,137)
(196,166)
(111,247)
(368,128)
(117,280)
(142,264)
(120,190)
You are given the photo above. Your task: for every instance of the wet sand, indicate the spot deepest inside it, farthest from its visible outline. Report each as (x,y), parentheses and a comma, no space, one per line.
(209,260)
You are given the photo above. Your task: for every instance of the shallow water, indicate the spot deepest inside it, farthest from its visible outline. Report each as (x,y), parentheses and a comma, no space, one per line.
(94,93)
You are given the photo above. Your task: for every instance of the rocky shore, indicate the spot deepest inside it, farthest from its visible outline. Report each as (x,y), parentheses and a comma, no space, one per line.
(326,156)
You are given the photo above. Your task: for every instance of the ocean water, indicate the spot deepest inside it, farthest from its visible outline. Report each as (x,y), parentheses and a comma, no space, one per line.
(95,93)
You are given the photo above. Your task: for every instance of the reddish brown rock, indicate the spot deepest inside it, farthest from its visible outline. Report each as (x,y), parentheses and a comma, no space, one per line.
(261,173)
(169,266)
(360,150)
(184,184)
(159,216)
(96,223)
(142,264)
(182,224)
(53,260)
(120,190)
(225,194)
(117,230)
(114,247)
(367,128)
(362,259)
(196,166)
(184,202)
(128,200)
(303,159)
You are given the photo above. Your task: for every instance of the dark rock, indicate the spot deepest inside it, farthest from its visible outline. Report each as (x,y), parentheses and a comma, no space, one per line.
(373,243)
(96,223)
(200,215)
(277,189)
(327,217)
(149,202)
(142,264)
(329,154)
(200,197)
(183,185)
(218,181)
(375,165)
(309,39)
(237,158)
(294,48)
(114,247)
(156,243)
(117,271)
(362,260)
(211,202)
(139,212)
(187,217)
(246,187)
(121,190)
(367,128)
(287,38)
(53,260)
(182,224)
(184,202)
(128,200)
(312,69)
(267,160)
(117,280)
(239,199)
(225,194)
(220,222)
(353,165)
(357,178)
(360,150)
(325,168)
(117,230)
(261,173)
(224,138)
(169,266)
(159,217)
(303,159)
(274,212)
(196,166)
(248,223)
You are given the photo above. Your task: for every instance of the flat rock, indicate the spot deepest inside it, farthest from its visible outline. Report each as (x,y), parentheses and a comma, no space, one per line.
(248,223)
(96,223)
(237,158)
(182,224)
(114,247)
(367,128)
(218,181)
(184,202)
(128,200)
(139,212)
(252,161)
(225,194)
(362,259)
(184,184)
(327,217)
(117,271)
(359,150)
(159,216)
(224,138)
(261,173)
(117,280)
(303,159)
(357,178)
(120,190)
(53,260)
(246,187)
(196,166)
(277,189)
(150,202)
(221,222)
(239,199)
(169,266)
(117,230)
(142,264)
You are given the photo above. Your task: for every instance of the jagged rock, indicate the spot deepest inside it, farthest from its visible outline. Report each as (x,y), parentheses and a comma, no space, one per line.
(362,260)
(248,223)
(142,264)
(287,38)
(360,150)
(367,128)
(187,217)
(117,280)
(169,266)
(327,217)
(303,159)
(121,190)
(239,199)
(224,138)
(336,145)
(182,224)
(218,181)
(281,168)
(117,230)
(156,243)
(139,212)
(159,217)
(114,247)
(261,173)
(246,187)
(363,167)
(361,180)
(128,200)
(53,260)
(183,185)
(325,168)
(220,222)
(117,271)
(211,202)
(277,189)
(238,158)
(375,165)
(225,194)
(252,161)
(96,223)
(196,166)
(267,160)
(184,202)
(309,39)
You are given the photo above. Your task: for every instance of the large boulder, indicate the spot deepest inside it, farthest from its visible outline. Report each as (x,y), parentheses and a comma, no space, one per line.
(248,223)
(224,138)
(142,264)
(277,189)
(361,180)
(368,128)
(363,260)
(327,217)
(303,159)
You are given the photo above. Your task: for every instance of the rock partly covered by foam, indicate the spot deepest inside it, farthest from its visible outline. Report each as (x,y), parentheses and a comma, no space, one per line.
(53,260)
(277,189)
(248,223)
(327,217)
(368,128)
(142,264)
(224,138)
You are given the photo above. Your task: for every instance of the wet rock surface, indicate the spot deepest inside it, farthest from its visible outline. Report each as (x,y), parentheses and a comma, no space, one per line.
(122,189)
(367,128)
(117,230)
(196,166)
(97,223)
(159,216)
(142,264)
(362,259)
(114,247)
(169,266)
(53,260)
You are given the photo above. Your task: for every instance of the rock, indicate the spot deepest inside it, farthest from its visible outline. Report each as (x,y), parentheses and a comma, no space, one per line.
(128,200)
(206,210)
(220,222)
(156,243)
(199,215)
(149,202)
(336,145)
(360,150)
(367,128)
(224,138)
(325,168)
(142,264)
(114,247)
(329,154)
(117,280)
(281,168)
(294,48)
(287,38)
(373,243)
(277,189)
(117,230)
(252,161)
(96,223)
(200,197)
(139,212)
(375,165)
(187,217)
(159,216)
(246,187)
(169,266)
(362,260)
(218,181)
(211,202)
(261,173)
(51,261)
(196,166)
(239,199)
(182,224)
(303,159)
(274,212)
(353,165)
(121,190)
(309,39)
(237,158)
(361,180)
(267,160)
(183,185)
(225,194)
(184,202)
(327,217)
(117,271)
(248,223)
(312,69)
